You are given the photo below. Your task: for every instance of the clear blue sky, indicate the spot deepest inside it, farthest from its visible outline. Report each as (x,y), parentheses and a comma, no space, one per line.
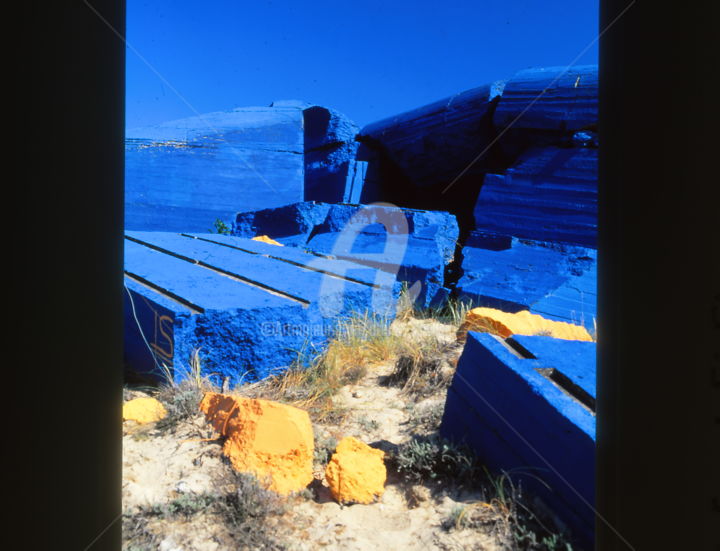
(368,59)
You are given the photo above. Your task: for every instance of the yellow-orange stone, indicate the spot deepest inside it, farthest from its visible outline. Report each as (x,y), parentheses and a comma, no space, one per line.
(505,325)
(266,239)
(143,410)
(270,440)
(356,472)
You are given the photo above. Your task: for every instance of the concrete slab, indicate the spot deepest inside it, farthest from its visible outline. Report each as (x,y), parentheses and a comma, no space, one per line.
(249,312)
(525,406)
(418,247)
(555,280)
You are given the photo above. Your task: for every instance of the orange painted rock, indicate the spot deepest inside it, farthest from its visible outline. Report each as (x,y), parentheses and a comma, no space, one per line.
(143,410)
(504,324)
(266,239)
(270,440)
(356,472)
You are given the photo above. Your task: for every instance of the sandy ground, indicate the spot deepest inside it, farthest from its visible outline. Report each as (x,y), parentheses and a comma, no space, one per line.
(159,466)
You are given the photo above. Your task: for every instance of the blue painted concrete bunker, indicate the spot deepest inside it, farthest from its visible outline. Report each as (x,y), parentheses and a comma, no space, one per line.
(495,190)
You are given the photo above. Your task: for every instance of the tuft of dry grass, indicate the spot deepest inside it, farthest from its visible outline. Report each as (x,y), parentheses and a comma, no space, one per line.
(419,368)
(182,399)
(359,343)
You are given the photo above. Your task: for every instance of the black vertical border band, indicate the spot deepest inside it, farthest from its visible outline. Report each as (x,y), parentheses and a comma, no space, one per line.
(66,300)
(659,283)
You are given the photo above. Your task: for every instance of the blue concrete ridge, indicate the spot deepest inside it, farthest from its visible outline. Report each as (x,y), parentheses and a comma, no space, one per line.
(549,194)
(517,419)
(550,98)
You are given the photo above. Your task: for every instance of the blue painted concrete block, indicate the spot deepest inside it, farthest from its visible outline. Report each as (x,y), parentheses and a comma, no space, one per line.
(248,310)
(290,224)
(526,406)
(549,194)
(185,174)
(417,248)
(558,281)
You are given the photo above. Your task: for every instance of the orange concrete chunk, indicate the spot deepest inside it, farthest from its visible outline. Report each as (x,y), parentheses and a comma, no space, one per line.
(268,439)
(266,239)
(356,472)
(143,410)
(505,325)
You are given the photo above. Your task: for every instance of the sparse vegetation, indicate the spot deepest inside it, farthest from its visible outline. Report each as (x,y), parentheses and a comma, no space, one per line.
(182,399)
(418,370)
(221,227)
(431,457)
(359,342)
(425,420)
(420,364)
(244,511)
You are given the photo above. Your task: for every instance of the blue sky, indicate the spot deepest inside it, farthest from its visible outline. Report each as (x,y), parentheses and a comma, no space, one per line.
(369,59)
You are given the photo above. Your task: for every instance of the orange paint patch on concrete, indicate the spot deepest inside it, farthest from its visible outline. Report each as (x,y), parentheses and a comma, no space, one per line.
(505,325)
(143,410)
(356,472)
(270,440)
(266,239)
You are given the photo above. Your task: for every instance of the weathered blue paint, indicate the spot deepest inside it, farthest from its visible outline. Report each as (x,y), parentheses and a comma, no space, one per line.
(420,255)
(330,151)
(434,143)
(506,407)
(547,106)
(290,224)
(549,194)
(555,280)
(185,174)
(248,312)
(550,98)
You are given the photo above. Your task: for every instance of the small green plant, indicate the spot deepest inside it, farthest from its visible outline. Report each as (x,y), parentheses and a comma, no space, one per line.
(221,227)
(427,419)
(432,457)
(324,448)
(367,424)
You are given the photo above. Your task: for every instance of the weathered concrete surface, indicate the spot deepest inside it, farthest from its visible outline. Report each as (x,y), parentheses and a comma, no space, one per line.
(434,157)
(248,306)
(549,194)
(434,143)
(331,171)
(555,280)
(273,441)
(289,224)
(356,472)
(550,98)
(414,245)
(528,409)
(143,410)
(505,324)
(185,174)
